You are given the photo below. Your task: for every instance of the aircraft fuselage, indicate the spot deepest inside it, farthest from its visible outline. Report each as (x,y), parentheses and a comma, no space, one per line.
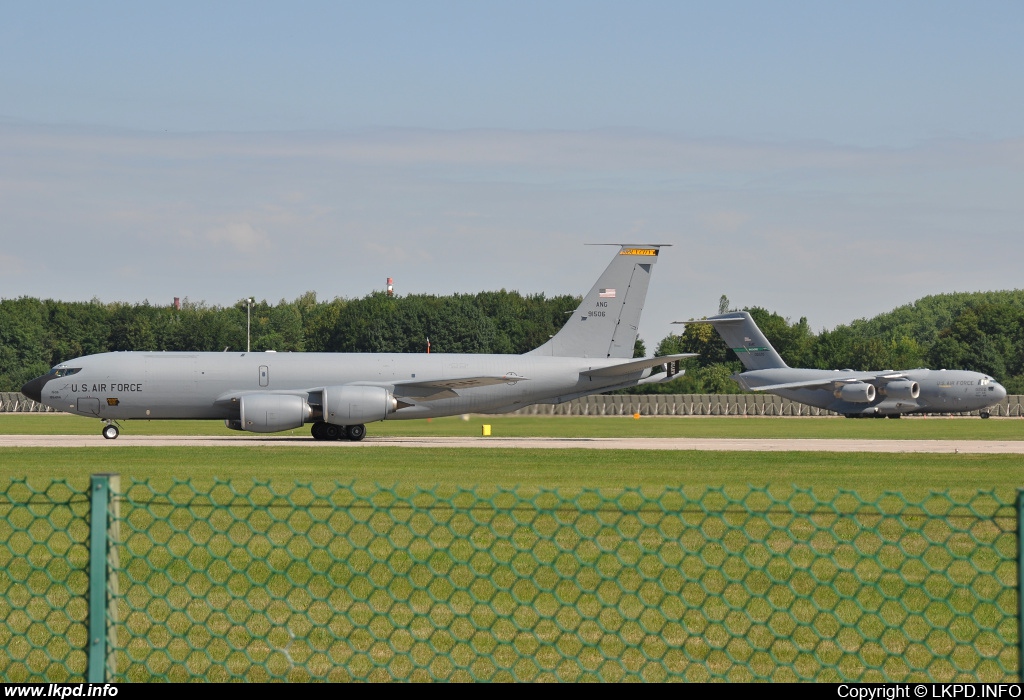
(941,391)
(268,392)
(201,385)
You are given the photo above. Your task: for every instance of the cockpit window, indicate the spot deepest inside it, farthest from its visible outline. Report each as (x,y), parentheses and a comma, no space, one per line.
(64,371)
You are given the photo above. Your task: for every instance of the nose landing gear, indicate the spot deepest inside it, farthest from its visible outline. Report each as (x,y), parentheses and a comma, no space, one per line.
(110,431)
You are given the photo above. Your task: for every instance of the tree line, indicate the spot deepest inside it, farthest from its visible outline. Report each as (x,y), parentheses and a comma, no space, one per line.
(977,331)
(37,334)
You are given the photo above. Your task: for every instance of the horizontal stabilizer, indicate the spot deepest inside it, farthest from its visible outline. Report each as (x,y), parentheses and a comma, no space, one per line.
(714,320)
(636,365)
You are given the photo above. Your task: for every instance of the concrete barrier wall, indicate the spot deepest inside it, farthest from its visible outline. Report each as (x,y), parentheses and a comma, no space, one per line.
(709,405)
(16,402)
(627,405)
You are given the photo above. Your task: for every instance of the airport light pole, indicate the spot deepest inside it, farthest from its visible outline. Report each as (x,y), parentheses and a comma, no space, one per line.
(248,322)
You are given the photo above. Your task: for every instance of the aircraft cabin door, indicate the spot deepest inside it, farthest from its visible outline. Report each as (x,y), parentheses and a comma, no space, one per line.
(264,375)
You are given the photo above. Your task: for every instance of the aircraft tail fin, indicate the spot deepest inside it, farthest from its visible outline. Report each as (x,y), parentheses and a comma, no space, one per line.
(744,338)
(607,322)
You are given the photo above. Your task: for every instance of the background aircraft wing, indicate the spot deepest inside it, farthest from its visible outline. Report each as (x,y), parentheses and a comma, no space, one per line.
(875,378)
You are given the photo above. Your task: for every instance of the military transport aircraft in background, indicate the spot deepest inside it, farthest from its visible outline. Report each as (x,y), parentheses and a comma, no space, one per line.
(853,394)
(338,393)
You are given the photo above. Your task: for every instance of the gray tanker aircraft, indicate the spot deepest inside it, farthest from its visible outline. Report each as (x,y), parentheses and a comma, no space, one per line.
(338,393)
(853,394)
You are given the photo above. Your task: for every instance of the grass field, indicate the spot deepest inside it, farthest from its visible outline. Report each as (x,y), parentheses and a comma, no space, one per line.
(253,582)
(868,473)
(564,469)
(688,581)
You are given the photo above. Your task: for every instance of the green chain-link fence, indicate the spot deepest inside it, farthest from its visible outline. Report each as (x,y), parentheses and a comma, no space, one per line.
(260,581)
(44,582)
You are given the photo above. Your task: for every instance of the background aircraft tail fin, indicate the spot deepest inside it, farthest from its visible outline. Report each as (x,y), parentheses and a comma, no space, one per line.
(742,335)
(607,322)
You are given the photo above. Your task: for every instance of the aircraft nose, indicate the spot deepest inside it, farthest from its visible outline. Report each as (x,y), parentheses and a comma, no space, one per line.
(1000,392)
(34,388)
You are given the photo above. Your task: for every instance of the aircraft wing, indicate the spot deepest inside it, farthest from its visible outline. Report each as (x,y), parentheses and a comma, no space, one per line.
(712,321)
(446,388)
(846,378)
(431,390)
(636,365)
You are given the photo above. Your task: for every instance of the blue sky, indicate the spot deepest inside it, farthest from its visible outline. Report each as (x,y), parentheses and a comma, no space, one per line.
(868,73)
(819,159)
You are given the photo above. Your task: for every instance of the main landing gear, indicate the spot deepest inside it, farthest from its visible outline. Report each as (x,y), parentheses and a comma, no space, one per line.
(328,431)
(110,431)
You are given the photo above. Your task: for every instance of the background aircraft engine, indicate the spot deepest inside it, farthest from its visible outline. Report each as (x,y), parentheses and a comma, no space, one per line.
(857,393)
(903,389)
(355,405)
(272,413)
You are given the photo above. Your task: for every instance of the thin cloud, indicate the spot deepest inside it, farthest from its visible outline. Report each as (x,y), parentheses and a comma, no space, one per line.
(807,229)
(242,237)
(12,265)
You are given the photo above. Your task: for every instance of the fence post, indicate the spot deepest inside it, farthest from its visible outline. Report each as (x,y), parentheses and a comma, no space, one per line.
(1020,585)
(102,516)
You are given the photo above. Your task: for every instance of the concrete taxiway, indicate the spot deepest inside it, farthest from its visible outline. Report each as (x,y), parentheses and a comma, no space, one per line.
(711,444)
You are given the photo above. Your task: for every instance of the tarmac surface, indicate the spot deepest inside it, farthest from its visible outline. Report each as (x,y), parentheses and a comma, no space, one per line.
(710,444)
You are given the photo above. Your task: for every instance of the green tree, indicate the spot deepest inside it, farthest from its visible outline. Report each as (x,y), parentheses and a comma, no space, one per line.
(277,328)
(713,379)
(199,328)
(319,323)
(131,328)
(985,338)
(23,342)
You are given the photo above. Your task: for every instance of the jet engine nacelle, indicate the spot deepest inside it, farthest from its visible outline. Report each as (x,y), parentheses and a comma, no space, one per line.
(903,389)
(271,413)
(856,393)
(355,405)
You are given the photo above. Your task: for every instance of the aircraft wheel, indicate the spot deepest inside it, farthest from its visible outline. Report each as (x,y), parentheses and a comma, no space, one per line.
(110,432)
(895,415)
(332,432)
(985,414)
(356,432)
(319,431)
